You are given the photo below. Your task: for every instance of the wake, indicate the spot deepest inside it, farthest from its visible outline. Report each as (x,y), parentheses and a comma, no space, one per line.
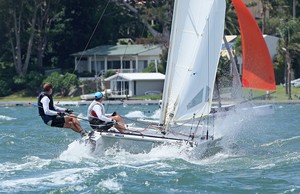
(6,118)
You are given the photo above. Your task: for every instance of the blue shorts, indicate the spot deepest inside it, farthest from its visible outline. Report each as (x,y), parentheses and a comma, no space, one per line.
(54,121)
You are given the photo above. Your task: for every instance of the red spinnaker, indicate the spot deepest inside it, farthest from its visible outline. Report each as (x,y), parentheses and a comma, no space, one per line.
(258,71)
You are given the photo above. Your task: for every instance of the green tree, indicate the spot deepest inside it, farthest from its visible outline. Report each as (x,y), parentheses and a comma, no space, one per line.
(68,81)
(56,79)
(6,80)
(48,12)
(153,68)
(156,16)
(4,89)
(21,19)
(231,22)
(289,46)
(6,77)
(33,83)
(26,26)
(62,83)
(30,83)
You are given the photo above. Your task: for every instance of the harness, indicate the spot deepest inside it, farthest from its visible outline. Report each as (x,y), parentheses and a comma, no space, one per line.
(92,114)
(94,121)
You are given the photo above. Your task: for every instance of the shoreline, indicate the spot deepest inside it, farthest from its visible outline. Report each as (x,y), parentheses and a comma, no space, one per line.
(127,102)
(80,102)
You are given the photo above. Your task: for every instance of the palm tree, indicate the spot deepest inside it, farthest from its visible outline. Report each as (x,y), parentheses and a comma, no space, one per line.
(231,21)
(266,5)
(289,43)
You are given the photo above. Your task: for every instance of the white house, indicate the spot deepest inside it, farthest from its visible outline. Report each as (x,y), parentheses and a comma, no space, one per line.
(135,84)
(121,58)
(271,41)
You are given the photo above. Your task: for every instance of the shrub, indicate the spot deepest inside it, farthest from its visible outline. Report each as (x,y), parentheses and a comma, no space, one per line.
(4,89)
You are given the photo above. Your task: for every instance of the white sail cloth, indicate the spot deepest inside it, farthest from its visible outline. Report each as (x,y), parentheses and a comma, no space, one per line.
(195,44)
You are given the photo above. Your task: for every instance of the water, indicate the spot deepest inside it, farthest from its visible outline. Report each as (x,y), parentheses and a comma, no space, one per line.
(255,155)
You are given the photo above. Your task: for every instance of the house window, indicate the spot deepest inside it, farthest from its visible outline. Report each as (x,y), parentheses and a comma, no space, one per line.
(142,65)
(152,62)
(113,65)
(122,87)
(126,64)
(134,66)
(98,68)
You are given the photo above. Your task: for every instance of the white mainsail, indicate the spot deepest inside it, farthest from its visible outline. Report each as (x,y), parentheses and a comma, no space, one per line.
(195,45)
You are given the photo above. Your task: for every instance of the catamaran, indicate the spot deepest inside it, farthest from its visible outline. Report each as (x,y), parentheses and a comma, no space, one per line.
(257,67)
(194,51)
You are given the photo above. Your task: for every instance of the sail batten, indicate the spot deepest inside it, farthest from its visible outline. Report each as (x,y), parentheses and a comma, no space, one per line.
(257,67)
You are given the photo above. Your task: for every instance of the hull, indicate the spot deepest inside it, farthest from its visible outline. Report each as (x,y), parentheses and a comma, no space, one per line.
(136,141)
(244,112)
(255,109)
(261,110)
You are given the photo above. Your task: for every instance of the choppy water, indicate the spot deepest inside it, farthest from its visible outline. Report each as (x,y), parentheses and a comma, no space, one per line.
(255,155)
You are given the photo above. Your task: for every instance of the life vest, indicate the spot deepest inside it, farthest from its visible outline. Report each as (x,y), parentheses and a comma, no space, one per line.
(40,105)
(92,114)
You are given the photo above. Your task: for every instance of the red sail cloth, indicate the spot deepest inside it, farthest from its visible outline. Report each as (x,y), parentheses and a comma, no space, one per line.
(258,71)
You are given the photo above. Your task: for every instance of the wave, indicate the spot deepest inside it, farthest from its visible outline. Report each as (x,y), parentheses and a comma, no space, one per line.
(135,114)
(76,152)
(280,142)
(6,118)
(140,114)
(69,178)
(32,162)
(110,184)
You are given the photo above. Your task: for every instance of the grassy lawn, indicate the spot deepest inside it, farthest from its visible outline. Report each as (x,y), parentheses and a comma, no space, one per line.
(156,97)
(279,95)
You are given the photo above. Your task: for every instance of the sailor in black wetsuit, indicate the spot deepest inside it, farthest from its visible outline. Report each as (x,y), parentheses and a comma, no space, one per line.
(54,116)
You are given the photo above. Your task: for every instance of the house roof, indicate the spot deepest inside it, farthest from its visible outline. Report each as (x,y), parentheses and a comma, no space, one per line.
(271,42)
(229,38)
(137,76)
(136,49)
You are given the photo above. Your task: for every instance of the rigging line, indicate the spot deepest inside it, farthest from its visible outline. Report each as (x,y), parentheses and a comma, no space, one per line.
(86,46)
(197,127)
(192,124)
(136,121)
(95,29)
(118,77)
(121,65)
(116,84)
(180,125)
(208,61)
(182,134)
